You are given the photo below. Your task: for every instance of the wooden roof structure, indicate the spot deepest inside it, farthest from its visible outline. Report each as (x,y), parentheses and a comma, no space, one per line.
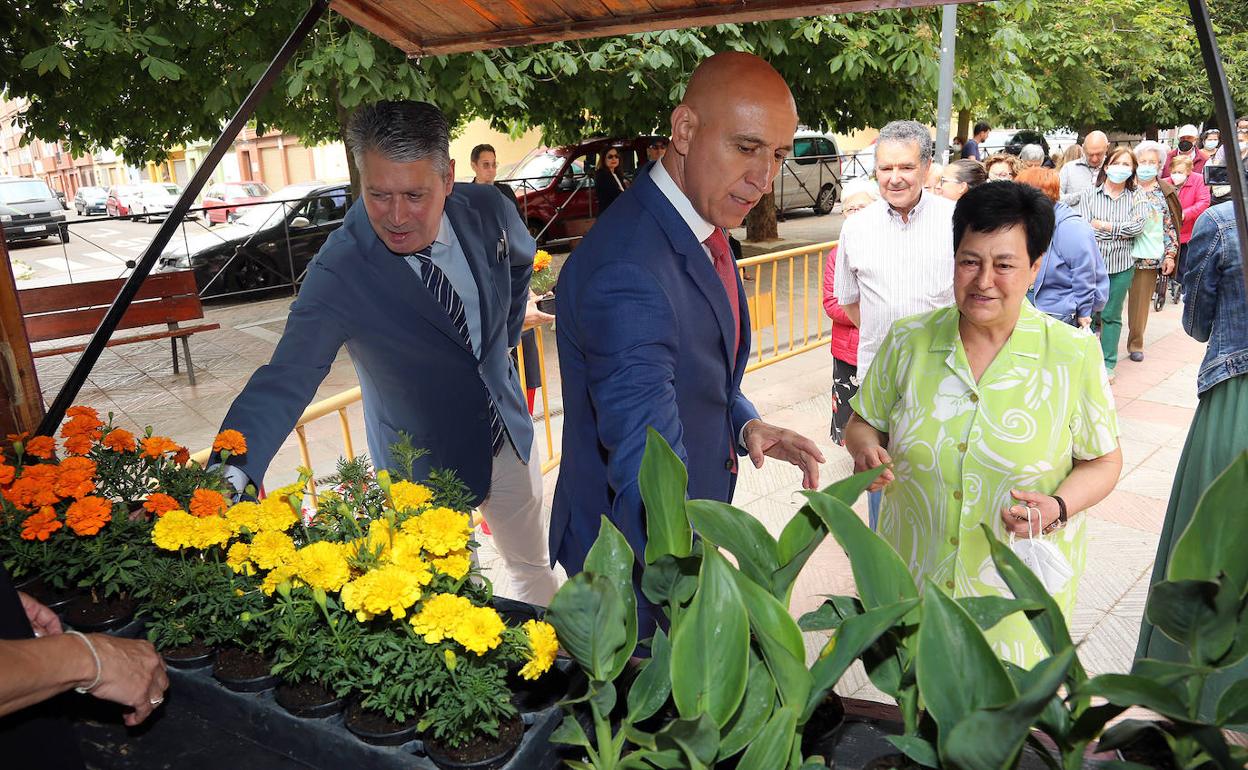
(429,27)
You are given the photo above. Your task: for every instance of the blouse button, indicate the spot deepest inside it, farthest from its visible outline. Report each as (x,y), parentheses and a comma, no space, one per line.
(949,584)
(953,541)
(974,398)
(962,447)
(957,494)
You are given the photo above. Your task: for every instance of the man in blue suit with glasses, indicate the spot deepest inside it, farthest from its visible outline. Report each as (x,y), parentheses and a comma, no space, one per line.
(426,283)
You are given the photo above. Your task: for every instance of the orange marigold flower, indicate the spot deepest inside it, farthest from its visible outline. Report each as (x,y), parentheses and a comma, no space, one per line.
(159,503)
(182,456)
(42,447)
(207,502)
(230,441)
(82,411)
(36,488)
(13,438)
(7,473)
(88,515)
(120,440)
(39,526)
(79,444)
(155,446)
(75,477)
(82,420)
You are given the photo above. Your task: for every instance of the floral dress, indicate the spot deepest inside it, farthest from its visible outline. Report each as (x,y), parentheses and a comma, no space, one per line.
(959,447)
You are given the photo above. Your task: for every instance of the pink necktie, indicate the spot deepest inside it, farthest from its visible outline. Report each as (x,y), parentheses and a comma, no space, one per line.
(726,269)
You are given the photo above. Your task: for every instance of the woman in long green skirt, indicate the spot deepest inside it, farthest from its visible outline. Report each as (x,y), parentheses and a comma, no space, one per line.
(1215,310)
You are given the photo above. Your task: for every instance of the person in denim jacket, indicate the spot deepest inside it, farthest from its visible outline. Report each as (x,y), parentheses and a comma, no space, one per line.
(1215,310)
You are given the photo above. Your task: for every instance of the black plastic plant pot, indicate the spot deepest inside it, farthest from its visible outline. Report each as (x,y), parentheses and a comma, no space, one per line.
(50,596)
(516,613)
(189,656)
(547,304)
(820,734)
(243,671)
(529,696)
(482,753)
(98,614)
(374,728)
(308,700)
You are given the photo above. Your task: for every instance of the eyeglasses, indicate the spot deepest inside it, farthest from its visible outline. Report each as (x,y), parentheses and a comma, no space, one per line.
(950,181)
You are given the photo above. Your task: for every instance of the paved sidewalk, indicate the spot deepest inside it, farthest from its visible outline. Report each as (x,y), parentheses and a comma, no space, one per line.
(1156,400)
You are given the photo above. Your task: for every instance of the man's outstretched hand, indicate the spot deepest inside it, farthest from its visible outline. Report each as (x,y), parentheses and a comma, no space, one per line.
(762,439)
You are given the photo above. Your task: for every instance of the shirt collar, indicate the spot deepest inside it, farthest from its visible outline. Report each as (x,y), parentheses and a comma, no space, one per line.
(662,180)
(917,210)
(445,234)
(1024,340)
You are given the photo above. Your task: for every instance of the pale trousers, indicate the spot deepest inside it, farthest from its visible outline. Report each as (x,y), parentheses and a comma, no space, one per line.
(513,509)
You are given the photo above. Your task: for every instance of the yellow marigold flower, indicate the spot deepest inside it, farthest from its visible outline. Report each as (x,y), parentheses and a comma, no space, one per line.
(407,554)
(440,616)
(238,557)
(276,577)
(174,530)
(443,530)
(270,550)
(209,531)
(454,565)
(385,589)
(541,260)
(244,515)
(275,515)
(322,565)
(543,645)
(380,535)
(408,496)
(479,630)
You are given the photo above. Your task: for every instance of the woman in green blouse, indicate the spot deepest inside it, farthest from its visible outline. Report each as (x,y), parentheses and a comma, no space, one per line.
(989,411)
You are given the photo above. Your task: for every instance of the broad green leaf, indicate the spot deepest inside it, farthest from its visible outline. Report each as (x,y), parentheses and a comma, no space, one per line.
(848,642)
(918,749)
(697,739)
(588,616)
(831,614)
(1233,705)
(1128,690)
(805,531)
(1183,610)
(879,573)
(992,738)
(611,557)
(711,645)
(774,744)
(958,672)
(737,532)
(780,640)
(650,689)
(987,611)
(602,698)
(570,732)
(1215,541)
(670,579)
(756,705)
(663,480)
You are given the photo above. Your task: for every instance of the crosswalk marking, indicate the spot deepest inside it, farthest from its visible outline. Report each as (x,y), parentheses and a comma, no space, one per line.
(60,264)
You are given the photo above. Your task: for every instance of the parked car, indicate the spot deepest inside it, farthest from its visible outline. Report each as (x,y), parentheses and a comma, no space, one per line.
(221,199)
(811,176)
(155,200)
(268,246)
(91,200)
(1025,137)
(121,200)
(30,210)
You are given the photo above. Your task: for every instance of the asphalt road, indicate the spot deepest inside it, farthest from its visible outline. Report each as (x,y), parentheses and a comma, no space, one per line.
(98,248)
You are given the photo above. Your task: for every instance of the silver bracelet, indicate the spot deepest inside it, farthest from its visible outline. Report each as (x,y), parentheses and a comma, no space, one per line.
(99,668)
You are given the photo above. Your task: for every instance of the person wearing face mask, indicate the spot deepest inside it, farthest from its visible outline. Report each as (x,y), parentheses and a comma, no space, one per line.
(1156,248)
(1221,193)
(1211,141)
(1194,199)
(1188,149)
(1116,215)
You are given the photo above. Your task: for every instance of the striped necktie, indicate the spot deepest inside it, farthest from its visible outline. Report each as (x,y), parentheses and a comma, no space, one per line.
(442,290)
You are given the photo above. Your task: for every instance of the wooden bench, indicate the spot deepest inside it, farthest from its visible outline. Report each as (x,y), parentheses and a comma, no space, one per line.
(76,309)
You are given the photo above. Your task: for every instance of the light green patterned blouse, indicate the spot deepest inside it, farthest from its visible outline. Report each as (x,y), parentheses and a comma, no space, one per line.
(959,447)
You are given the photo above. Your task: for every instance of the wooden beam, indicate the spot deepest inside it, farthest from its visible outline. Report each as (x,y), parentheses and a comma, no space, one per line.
(378,19)
(21,403)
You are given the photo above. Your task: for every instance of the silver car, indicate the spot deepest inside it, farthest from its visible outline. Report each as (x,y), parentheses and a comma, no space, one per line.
(811,176)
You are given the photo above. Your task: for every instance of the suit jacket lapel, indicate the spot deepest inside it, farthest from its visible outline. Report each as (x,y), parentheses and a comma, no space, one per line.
(468,230)
(697,264)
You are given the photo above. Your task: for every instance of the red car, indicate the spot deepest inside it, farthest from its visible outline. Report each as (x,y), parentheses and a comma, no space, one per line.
(555,186)
(222,199)
(122,200)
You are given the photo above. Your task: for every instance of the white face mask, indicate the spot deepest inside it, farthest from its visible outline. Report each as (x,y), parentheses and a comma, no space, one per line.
(1211,144)
(1178,179)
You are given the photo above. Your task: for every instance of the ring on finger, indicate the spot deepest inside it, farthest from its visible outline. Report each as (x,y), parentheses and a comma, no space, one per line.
(156,701)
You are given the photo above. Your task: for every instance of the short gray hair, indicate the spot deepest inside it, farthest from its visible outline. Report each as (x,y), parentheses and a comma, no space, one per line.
(402,132)
(1148,145)
(1031,152)
(909,131)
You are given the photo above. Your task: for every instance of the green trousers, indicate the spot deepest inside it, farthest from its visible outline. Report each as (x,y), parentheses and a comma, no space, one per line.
(1111,316)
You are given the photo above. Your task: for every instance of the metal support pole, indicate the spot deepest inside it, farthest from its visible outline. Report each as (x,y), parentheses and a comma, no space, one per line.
(944,99)
(1224,109)
(69,391)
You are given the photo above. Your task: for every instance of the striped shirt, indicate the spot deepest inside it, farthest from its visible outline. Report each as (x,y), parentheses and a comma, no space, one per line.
(894,269)
(1126,215)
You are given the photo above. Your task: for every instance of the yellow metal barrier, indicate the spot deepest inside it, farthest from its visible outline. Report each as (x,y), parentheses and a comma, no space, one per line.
(782,271)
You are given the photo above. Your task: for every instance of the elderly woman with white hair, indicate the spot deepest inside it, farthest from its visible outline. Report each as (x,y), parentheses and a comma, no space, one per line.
(855,196)
(1031,156)
(1157,247)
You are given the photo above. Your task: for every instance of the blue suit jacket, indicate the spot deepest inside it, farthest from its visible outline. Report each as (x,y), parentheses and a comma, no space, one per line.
(645,335)
(416,372)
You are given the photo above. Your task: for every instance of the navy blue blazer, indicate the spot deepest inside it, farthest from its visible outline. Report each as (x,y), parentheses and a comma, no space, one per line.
(645,335)
(416,372)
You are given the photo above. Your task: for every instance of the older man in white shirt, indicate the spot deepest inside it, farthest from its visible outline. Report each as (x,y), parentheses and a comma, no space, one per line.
(895,257)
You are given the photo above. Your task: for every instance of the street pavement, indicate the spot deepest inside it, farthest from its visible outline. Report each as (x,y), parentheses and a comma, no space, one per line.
(1155,400)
